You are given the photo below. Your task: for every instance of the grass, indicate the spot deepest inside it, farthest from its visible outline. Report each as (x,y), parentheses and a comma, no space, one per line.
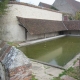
(75,61)
(66,72)
(13,44)
(73,72)
(33,77)
(57,78)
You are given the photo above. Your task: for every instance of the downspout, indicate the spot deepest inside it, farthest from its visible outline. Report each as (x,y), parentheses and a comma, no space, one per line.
(64,25)
(26,34)
(25,31)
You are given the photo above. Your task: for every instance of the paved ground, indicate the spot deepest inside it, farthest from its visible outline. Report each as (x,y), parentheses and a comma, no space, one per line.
(66,77)
(44,72)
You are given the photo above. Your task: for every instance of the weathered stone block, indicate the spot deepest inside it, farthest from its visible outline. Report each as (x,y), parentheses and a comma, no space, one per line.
(16,65)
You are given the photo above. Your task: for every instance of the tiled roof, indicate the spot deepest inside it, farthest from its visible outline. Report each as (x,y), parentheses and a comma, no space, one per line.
(44,5)
(72,25)
(39,26)
(67,6)
(75,4)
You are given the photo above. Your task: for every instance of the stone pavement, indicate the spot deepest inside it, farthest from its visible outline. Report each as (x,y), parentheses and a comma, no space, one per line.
(66,77)
(44,72)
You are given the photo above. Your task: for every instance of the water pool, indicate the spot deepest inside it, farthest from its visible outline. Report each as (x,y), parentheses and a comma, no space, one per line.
(55,52)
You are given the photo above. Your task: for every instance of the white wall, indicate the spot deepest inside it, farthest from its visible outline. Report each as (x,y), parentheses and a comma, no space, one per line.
(9,28)
(30,12)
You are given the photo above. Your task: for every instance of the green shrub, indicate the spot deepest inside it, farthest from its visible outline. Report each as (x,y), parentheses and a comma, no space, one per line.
(33,77)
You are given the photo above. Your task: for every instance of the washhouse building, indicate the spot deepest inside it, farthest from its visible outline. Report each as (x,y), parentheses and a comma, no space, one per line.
(10,30)
(26,22)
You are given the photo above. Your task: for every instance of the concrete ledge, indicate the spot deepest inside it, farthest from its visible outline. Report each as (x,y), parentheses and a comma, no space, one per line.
(70,63)
(72,35)
(41,40)
(55,66)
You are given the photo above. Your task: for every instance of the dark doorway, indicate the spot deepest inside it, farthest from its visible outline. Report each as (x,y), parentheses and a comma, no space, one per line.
(61,32)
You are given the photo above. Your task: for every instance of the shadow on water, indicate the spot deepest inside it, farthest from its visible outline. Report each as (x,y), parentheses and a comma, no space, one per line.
(58,51)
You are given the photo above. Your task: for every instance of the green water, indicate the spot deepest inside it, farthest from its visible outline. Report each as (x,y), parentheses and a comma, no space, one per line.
(55,52)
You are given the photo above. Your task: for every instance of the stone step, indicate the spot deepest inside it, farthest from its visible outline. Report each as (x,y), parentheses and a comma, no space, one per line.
(5,53)
(2,44)
(16,65)
(2,72)
(3,49)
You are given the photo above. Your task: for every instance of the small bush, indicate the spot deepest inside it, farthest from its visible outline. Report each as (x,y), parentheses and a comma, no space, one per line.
(33,77)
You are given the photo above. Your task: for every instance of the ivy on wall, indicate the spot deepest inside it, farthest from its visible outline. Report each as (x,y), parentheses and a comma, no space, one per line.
(3,6)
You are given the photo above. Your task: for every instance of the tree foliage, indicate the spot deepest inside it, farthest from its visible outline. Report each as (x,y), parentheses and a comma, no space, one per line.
(3,6)
(77,16)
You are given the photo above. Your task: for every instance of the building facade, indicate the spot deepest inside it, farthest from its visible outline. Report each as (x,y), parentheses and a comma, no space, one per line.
(9,25)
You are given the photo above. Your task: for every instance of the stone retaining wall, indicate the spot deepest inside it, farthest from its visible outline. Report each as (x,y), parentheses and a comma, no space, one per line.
(15,64)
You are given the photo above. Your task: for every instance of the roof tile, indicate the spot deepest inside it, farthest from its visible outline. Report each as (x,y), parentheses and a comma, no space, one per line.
(39,26)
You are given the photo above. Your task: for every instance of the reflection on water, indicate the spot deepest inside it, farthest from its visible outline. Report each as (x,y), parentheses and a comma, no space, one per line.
(50,56)
(53,62)
(58,51)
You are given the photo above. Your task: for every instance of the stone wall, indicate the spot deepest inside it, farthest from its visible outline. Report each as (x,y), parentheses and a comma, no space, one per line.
(14,64)
(42,36)
(9,25)
(51,34)
(74,32)
(34,37)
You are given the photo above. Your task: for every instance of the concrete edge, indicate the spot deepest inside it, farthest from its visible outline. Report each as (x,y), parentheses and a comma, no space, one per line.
(39,41)
(56,66)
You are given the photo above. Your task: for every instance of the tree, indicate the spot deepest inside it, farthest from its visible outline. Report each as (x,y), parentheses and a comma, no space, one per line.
(77,15)
(3,6)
